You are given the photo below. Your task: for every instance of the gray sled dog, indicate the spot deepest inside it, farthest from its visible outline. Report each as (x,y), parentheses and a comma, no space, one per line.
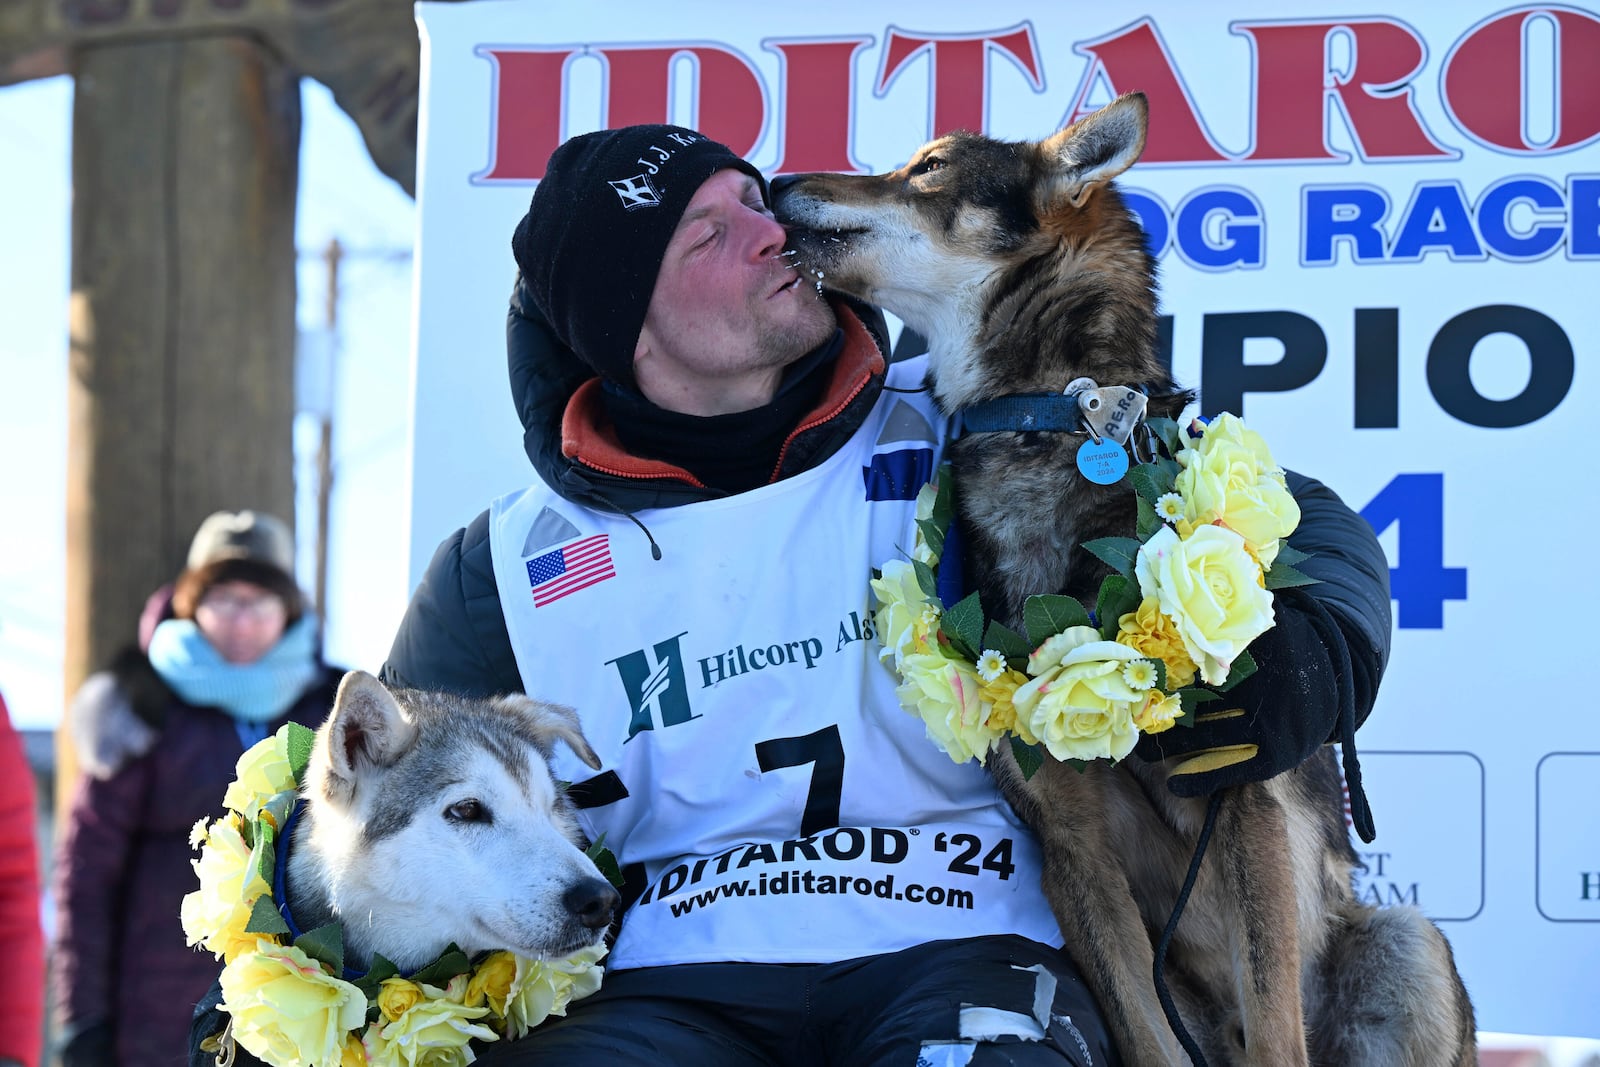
(1024,270)
(432,819)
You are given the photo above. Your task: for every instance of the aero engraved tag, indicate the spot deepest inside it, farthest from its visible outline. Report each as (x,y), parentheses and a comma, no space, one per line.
(1112,411)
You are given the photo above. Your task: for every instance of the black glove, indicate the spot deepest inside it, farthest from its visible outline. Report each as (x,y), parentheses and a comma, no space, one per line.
(1301,696)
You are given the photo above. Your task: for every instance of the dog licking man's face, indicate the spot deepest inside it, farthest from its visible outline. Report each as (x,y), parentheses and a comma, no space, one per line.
(433,819)
(954,242)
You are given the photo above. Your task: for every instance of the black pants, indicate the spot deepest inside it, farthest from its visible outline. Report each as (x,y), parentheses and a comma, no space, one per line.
(942,1004)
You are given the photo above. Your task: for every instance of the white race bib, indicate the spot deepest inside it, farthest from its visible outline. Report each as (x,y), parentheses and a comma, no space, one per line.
(757,766)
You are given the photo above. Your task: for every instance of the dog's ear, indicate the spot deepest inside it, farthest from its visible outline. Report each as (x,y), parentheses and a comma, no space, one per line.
(1093,150)
(368,728)
(551,723)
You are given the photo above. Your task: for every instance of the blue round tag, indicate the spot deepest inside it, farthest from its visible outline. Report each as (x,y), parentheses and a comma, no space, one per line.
(1104,463)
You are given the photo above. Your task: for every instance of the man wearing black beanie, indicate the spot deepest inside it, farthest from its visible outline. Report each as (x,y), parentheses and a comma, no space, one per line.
(724,454)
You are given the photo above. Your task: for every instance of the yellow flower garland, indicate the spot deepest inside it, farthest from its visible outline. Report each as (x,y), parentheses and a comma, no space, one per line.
(1191,593)
(289,1004)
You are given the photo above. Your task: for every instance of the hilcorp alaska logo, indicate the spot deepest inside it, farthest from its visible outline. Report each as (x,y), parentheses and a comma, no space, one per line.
(1482,79)
(657,683)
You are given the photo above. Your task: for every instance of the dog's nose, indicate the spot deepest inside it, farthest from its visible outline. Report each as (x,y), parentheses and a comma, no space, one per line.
(592,902)
(780,183)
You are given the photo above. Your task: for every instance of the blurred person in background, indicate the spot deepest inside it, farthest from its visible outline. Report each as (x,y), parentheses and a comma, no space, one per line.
(232,655)
(21,938)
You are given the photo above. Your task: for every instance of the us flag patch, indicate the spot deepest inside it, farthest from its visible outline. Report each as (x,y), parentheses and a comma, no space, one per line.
(570,568)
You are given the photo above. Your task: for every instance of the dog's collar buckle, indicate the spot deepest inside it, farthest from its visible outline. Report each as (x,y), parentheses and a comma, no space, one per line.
(1108,410)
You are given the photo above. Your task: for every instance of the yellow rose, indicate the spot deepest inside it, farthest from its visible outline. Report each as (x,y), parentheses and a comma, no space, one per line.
(216,914)
(396,996)
(491,982)
(542,988)
(901,619)
(1078,703)
(1229,477)
(1147,631)
(944,694)
(353,1054)
(1000,695)
(1160,711)
(286,1009)
(433,1032)
(1229,429)
(261,773)
(1210,587)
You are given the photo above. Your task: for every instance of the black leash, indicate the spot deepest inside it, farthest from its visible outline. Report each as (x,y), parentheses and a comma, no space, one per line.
(1163,994)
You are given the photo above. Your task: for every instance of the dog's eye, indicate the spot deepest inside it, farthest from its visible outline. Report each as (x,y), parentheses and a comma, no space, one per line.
(467,811)
(929,165)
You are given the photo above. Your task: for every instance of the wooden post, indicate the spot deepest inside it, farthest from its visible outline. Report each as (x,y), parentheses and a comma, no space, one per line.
(185,159)
(331,256)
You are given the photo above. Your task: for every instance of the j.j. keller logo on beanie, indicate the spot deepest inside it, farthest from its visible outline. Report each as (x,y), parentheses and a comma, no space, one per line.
(639,191)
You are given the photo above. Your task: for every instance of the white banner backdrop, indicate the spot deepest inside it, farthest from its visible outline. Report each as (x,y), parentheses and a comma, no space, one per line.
(1377,237)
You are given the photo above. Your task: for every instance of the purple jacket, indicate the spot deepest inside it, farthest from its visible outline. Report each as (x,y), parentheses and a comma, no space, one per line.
(124,861)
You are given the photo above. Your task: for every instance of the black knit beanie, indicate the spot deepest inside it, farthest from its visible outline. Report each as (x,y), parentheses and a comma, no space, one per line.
(592,241)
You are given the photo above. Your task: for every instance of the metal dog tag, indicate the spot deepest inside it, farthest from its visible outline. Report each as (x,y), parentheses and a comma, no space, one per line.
(1112,411)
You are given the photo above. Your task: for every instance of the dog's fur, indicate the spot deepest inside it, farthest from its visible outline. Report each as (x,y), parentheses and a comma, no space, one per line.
(1024,270)
(431,819)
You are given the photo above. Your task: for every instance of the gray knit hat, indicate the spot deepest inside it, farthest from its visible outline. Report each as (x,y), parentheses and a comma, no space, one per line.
(592,241)
(248,535)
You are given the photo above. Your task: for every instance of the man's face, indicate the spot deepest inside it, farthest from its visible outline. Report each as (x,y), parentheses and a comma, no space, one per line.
(728,312)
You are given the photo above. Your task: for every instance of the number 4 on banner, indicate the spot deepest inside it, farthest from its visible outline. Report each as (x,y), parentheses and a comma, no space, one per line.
(1421,583)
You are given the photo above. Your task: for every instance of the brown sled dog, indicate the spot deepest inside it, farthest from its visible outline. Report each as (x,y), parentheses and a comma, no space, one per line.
(1023,268)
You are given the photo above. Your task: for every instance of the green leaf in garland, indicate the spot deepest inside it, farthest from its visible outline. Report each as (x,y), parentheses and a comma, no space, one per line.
(1149,522)
(1243,666)
(371,983)
(1117,552)
(1046,615)
(325,944)
(1170,469)
(1289,554)
(1029,757)
(1166,431)
(1161,671)
(963,625)
(264,918)
(926,580)
(263,859)
(1283,576)
(932,535)
(1150,481)
(1006,641)
(1191,698)
(605,860)
(298,743)
(944,504)
(446,967)
(1118,596)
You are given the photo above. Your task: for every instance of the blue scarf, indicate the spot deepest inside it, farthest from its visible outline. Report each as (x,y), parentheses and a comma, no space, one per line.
(254,693)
